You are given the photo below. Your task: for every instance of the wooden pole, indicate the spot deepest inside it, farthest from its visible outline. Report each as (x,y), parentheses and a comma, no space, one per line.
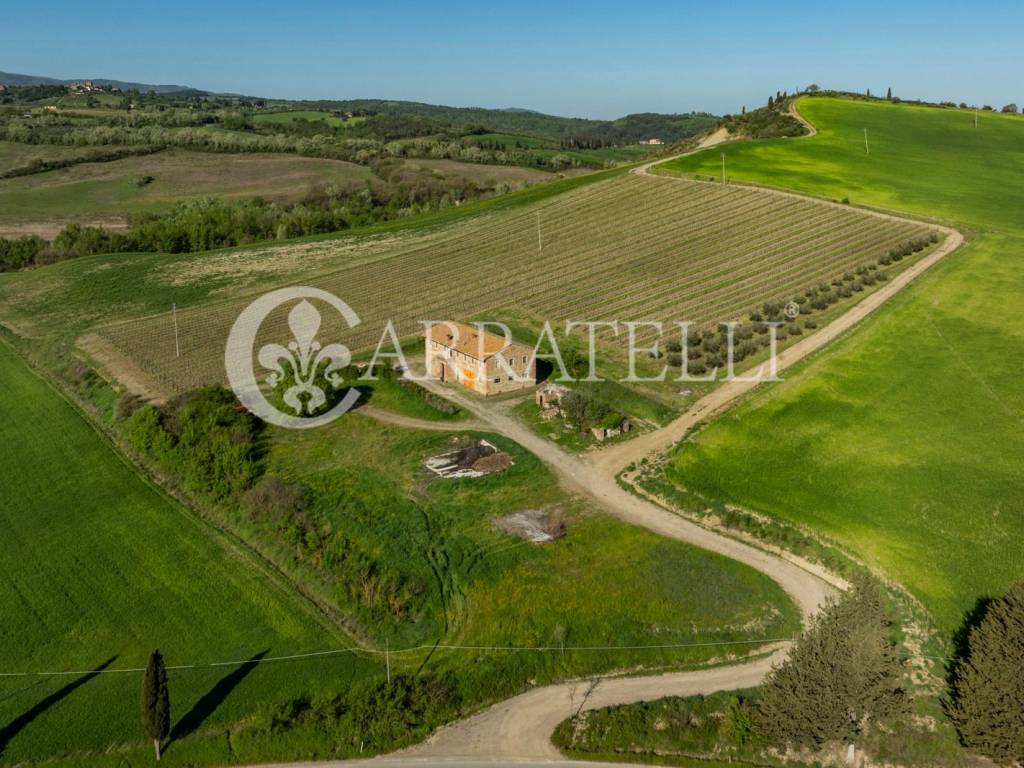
(387,659)
(867,150)
(723,167)
(177,345)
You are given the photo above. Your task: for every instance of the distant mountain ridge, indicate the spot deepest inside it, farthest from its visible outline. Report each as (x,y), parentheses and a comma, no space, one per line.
(667,128)
(13,78)
(513,120)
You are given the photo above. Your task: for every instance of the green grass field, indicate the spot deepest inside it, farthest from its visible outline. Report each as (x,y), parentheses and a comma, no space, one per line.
(99,568)
(309,115)
(471,583)
(903,441)
(108,190)
(15,155)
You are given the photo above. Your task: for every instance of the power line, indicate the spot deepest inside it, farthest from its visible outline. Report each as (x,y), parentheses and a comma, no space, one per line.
(414,649)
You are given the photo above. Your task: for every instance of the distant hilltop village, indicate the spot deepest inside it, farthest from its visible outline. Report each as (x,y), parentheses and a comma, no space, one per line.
(88,86)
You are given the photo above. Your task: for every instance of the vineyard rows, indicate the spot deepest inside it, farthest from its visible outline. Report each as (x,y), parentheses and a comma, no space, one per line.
(633,248)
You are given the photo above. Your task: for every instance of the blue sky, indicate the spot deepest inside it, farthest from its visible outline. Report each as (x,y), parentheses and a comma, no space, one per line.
(594,59)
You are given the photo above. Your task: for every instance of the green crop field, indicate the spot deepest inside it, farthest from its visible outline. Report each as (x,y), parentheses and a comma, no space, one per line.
(99,569)
(904,441)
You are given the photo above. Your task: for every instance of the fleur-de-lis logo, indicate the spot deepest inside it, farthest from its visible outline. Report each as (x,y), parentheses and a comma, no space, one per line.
(304,358)
(308,367)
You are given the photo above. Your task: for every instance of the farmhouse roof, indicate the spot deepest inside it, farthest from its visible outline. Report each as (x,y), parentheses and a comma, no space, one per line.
(468,340)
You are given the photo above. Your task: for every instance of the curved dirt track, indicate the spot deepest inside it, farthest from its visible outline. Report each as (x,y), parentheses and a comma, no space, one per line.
(521,727)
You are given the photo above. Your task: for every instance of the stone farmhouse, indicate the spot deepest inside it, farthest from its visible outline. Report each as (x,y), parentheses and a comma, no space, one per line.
(460,353)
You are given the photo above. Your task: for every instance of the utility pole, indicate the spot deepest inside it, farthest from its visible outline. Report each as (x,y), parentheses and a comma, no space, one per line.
(975,118)
(387,659)
(867,150)
(723,167)
(174,314)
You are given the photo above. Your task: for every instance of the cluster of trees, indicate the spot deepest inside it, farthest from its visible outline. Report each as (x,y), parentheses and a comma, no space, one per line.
(23,94)
(987,680)
(208,223)
(639,127)
(354,145)
(842,679)
(770,122)
(477,152)
(21,253)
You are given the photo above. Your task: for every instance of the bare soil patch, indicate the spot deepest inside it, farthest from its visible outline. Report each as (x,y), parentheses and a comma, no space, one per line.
(538,526)
(50,228)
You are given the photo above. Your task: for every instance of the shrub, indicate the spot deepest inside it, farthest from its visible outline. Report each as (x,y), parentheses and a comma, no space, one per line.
(274,500)
(203,438)
(583,409)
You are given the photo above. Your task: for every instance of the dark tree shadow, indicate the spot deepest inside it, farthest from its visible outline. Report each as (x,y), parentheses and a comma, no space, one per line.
(19,723)
(961,638)
(213,698)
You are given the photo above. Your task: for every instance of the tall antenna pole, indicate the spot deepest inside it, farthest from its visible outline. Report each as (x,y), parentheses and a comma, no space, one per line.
(723,167)
(867,150)
(540,245)
(174,314)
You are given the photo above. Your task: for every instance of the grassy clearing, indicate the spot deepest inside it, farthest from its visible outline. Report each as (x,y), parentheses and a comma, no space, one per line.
(14,155)
(467,582)
(96,190)
(308,114)
(902,442)
(101,568)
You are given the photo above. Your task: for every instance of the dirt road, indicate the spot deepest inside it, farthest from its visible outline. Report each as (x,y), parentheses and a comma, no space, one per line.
(521,726)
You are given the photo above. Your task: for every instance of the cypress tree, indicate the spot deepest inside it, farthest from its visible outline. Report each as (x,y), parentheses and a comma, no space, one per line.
(771,102)
(842,676)
(988,683)
(156,702)
(888,94)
